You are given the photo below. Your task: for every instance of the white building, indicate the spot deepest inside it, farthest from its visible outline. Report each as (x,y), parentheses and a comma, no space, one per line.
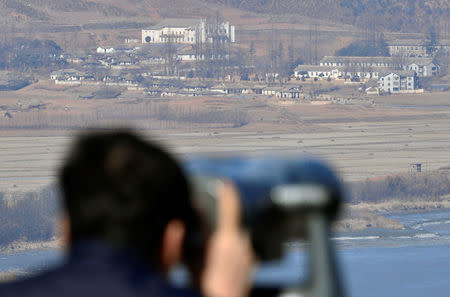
(335,72)
(407,48)
(424,69)
(188,54)
(188,31)
(283,92)
(398,81)
(105,50)
(422,66)
(69,75)
(414,47)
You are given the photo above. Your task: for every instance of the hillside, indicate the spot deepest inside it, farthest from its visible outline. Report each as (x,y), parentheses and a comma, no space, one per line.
(391,15)
(82,24)
(62,11)
(55,10)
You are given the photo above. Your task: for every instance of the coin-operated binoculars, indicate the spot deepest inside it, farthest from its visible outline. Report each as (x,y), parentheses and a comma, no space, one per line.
(283,199)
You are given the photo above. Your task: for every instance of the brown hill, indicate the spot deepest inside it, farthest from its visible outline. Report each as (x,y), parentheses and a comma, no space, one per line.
(393,15)
(53,10)
(89,23)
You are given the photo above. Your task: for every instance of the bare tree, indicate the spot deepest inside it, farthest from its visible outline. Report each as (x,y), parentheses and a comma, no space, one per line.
(170,54)
(251,55)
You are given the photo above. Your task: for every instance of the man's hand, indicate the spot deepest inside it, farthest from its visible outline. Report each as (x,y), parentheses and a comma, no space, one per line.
(229,257)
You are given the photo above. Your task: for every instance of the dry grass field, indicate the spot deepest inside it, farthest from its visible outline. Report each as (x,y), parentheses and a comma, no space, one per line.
(361,140)
(371,137)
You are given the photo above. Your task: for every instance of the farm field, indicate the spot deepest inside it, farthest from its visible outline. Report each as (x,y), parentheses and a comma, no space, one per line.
(360,141)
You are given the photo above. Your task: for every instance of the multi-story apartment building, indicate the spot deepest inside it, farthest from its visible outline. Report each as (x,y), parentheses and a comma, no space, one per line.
(395,82)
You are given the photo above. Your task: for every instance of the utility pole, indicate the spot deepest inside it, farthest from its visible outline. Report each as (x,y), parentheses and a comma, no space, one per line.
(310,44)
(272,47)
(199,53)
(315,43)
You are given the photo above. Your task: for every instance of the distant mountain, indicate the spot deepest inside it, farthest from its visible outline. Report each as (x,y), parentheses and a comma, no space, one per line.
(50,10)
(393,15)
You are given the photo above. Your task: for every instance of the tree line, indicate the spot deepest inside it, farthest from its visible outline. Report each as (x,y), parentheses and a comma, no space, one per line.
(393,15)
(160,114)
(24,54)
(31,216)
(28,217)
(426,186)
(372,47)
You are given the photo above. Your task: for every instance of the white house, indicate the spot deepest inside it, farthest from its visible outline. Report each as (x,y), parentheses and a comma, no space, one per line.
(283,92)
(335,72)
(424,69)
(105,50)
(69,75)
(312,71)
(287,92)
(231,88)
(188,31)
(398,81)
(188,54)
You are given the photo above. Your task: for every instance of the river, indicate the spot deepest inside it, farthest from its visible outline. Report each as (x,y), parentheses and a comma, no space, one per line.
(414,262)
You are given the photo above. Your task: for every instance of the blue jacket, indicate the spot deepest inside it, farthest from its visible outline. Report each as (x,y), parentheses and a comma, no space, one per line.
(95,269)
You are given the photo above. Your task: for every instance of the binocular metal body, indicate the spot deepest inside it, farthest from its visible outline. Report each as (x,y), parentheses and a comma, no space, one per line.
(283,199)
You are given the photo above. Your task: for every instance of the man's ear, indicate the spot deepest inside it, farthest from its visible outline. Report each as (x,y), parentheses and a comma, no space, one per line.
(172,244)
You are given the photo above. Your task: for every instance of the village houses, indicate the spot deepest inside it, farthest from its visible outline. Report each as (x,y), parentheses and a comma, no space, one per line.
(342,67)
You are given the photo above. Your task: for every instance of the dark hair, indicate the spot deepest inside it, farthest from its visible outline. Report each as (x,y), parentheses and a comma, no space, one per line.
(124,190)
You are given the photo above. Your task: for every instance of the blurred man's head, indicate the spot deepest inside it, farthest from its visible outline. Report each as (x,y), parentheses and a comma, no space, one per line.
(128,192)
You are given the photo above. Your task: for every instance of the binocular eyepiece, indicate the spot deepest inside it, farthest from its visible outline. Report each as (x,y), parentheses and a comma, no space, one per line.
(276,195)
(282,199)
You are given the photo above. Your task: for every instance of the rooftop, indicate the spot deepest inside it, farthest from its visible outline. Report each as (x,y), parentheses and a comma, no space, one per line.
(177,23)
(409,42)
(403,60)
(414,42)
(317,68)
(187,50)
(398,72)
